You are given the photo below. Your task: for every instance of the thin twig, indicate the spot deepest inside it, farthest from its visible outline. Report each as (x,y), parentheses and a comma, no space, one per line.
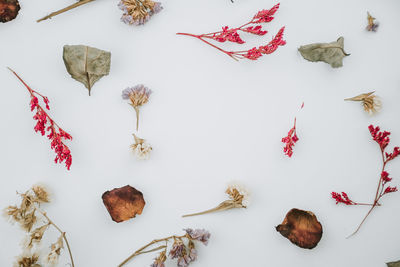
(75,5)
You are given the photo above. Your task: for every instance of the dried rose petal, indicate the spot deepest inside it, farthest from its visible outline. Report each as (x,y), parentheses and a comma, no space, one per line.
(8,10)
(302,228)
(123,203)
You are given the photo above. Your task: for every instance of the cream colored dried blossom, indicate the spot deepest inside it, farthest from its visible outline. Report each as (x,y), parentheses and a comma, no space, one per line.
(35,236)
(371,103)
(27,259)
(41,192)
(141,148)
(239,194)
(238,198)
(55,252)
(12,213)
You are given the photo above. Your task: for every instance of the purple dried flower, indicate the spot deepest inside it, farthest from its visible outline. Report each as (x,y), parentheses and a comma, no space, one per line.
(193,254)
(157,264)
(199,235)
(138,12)
(177,249)
(184,261)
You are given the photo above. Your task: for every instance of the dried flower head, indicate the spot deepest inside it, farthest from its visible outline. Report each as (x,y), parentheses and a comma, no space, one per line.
(238,198)
(141,148)
(302,228)
(138,12)
(371,103)
(290,140)
(183,248)
(27,259)
(35,236)
(42,193)
(9,10)
(55,251)
(372,25)
(138,96)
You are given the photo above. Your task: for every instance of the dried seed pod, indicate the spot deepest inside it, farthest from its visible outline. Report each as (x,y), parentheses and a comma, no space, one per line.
(302,228)
(8,10)
(123,203)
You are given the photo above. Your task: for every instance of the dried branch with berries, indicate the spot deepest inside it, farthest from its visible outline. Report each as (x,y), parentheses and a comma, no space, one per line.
(45,124)
(382,139)
(36,223)
(251,27)
(183,249)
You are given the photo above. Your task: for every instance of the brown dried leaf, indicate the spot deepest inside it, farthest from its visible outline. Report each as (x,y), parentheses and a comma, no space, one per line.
(123,203)
(86,64)
(302,228)
(8,10)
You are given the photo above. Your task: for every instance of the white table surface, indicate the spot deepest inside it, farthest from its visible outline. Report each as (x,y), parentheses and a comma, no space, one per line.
(210,120)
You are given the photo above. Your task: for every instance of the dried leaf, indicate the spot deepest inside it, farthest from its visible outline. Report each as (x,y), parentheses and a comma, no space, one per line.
(8,10)
(86,64)
(123,203)
(302,228)
(331,53)
(393,264)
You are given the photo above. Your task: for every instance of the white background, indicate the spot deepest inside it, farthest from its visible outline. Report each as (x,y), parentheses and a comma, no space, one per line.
(210,120)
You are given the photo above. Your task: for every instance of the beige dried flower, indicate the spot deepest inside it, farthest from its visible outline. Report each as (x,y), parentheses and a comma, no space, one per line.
(55,252)
(42,194)
(36,235)
(238,198)
(141,148)
(12,213)
(27,259)
(138,12)
(138,96)
(371,103)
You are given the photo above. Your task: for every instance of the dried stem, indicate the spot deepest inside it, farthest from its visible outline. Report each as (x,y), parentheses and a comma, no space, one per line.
(137,117)
(75,5)
(226,205)
(155,241)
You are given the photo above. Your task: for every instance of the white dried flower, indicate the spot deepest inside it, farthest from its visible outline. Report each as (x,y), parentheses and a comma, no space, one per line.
(239,193)
(371,103)
(141,148)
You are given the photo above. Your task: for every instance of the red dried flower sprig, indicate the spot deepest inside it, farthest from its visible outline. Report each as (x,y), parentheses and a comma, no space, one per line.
(290,140)
(382,138)
(44,123)
(252,27)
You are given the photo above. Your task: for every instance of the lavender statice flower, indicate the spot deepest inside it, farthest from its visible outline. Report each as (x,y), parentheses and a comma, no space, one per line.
(372,25)
(159,261)
(184,261)
(138,12)
(138,96)
(199,235)
(177,250)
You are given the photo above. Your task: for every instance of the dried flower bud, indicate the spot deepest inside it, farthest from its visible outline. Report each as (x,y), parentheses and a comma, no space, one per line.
(201,235)
(36,235)
(123,203)
(41,193)
(27,259)
(141,148)
(239,194)
(178,249)
(8,10)
(302,228)
(371,103)
(55,252)
(372,25)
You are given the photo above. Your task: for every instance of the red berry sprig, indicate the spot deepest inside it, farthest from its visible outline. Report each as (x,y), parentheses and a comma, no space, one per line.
(44,123)
(290,140)
(382,139)
(252,27)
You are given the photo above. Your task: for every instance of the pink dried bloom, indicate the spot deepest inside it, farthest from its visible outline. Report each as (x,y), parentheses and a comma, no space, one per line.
(342,198)
(290,140)
(201,235)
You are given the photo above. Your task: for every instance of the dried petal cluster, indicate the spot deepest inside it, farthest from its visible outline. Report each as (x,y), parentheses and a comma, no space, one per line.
(252,27)
(141,148)
(45,124)
(302,228)
(183,248)
(238,198)
(35,222)
(9,10)
(138,12)
(372,25)
(138,95)
(123,203)
(383,140)
(371,103)
(290,140)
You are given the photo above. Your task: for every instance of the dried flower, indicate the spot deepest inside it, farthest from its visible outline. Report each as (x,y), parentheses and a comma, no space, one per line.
(27,259)
(302,228)
(123,203)
(138,12)
(183,248)
(138,96)
(371,103)
(26,215)
(238,198)
(290,140)
(382,139)
(141,148)
(45,124)
(9,10)
(252,27)
(372,25)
